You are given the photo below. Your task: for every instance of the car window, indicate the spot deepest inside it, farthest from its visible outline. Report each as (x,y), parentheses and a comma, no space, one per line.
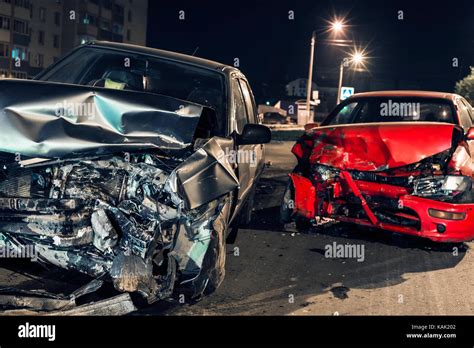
(394,109)
(344,115)
(464,114)
(193,84)
(100,67)
(468,109)
(88,66)
(249,101)
(240,115)
(70,70)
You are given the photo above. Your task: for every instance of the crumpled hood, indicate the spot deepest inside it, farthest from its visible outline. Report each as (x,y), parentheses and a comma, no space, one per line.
(52,120)
(378,146)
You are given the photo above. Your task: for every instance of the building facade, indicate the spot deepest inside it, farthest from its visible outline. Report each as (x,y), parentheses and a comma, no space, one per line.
(297,88)
(35,33)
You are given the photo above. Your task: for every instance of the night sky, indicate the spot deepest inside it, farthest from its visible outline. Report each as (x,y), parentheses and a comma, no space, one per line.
(274,50)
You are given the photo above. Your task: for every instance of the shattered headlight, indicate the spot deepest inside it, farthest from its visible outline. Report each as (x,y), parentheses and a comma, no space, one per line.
(443,187)
(171,187)
(325,173)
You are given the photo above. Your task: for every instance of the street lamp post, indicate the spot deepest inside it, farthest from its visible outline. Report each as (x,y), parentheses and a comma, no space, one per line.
(337,26)
(357,58)
(341,72)
(310,79)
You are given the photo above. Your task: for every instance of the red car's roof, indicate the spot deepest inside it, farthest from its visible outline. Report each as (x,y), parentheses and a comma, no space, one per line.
(421,94)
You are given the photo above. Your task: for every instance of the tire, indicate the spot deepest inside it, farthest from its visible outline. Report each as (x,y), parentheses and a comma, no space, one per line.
(245,214)
(217,255)
(217,273)
(287,202)
(303,224)
(212,270)
(234,231)
(243,219)
(287,214)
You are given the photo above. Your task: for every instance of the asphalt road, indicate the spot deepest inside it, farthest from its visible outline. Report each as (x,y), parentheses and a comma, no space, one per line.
(277,271)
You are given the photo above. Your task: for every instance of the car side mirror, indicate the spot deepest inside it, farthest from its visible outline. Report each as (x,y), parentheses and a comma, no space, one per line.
(470,134)
(254,134)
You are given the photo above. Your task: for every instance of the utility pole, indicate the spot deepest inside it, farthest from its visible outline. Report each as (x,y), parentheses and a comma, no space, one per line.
(356,58)
(310,79)
(339,88)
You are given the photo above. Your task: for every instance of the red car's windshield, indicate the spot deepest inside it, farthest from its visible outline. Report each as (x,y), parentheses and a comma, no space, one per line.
(392,109)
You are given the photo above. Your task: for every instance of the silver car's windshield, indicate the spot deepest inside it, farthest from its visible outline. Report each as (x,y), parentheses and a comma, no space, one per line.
(100,67)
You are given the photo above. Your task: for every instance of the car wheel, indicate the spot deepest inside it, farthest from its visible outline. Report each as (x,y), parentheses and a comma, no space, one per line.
(303,224)
(216,264)
(212,269)
(287,205)
(287,210)
(245,214)
(234,231)
(216,255)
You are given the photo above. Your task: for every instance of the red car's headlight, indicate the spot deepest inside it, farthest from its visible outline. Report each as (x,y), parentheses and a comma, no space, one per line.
(440,214)
(442,187)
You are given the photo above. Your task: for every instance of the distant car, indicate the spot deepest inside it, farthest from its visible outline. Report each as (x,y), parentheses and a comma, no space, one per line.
(275,118)
(400,161)
(130,164)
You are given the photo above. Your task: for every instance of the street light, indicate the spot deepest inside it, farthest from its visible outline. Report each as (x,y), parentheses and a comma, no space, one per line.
(337,26)
(310,79)
(357,58)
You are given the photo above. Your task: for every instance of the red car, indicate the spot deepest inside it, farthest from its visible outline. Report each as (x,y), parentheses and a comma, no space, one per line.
(396,160)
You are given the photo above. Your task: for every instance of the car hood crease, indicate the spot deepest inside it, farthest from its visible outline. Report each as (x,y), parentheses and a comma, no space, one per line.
(52,120)
(378,147)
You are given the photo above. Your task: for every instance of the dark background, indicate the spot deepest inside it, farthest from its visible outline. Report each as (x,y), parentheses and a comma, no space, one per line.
(415,53)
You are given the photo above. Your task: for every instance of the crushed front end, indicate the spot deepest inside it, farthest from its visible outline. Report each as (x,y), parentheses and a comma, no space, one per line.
(374,175)
(127,195)
(112,216)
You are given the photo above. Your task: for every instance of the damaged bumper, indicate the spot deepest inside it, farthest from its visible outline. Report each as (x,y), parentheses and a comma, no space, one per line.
(118,218)
(383,206)
(386,175)
(132,220)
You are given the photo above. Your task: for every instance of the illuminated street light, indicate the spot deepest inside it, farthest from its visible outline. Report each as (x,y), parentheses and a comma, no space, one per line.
(357,58)
(337,26)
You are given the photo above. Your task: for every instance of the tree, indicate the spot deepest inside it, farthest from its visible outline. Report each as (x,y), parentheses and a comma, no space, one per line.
(465,87)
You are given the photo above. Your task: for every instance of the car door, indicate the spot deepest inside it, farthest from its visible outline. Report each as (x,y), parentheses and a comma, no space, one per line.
(257,151)
(242,157)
